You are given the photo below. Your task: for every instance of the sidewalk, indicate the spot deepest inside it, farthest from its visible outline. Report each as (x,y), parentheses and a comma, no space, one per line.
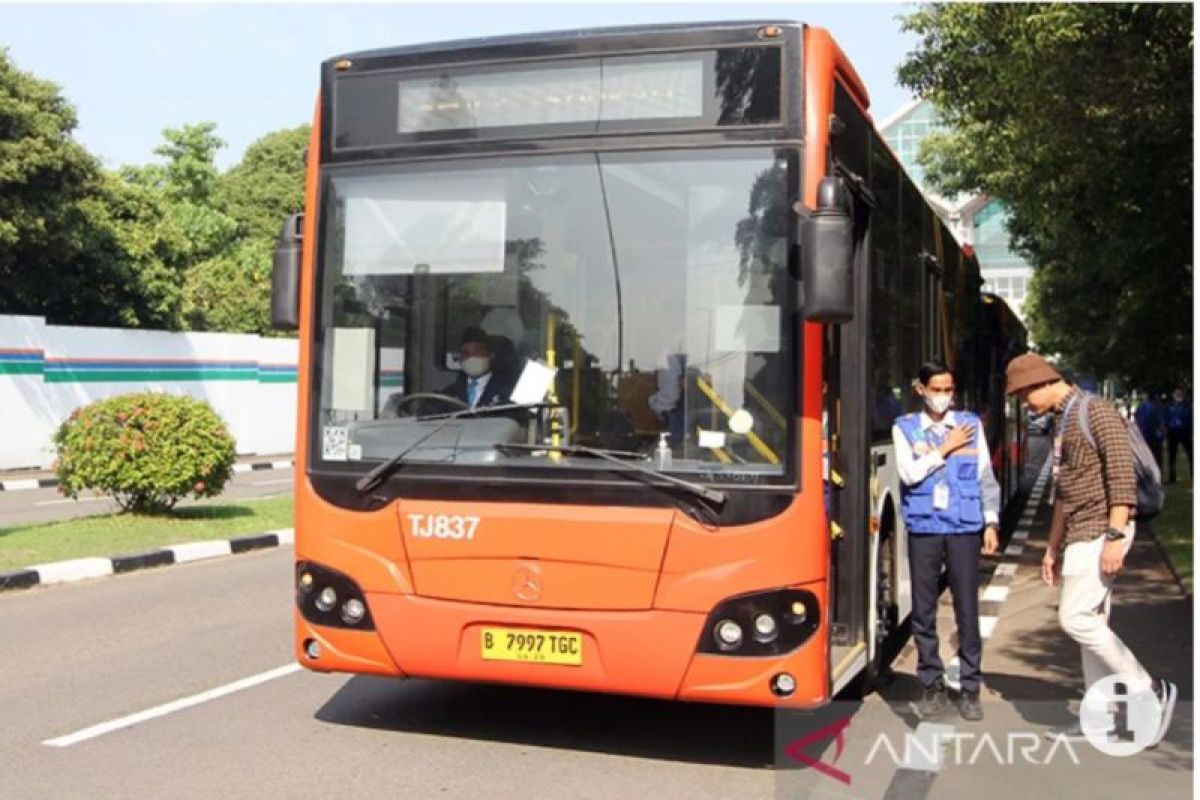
(17,480)
(1032,681)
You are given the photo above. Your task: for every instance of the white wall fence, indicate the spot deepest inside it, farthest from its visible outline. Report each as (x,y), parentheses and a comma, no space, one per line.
(47,371)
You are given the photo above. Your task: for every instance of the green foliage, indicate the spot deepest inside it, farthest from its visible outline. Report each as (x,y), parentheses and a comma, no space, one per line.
(173,245)
(1079,118)
(145,450)
(267,184)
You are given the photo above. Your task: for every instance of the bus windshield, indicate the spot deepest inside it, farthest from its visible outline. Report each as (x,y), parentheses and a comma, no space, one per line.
(639,302)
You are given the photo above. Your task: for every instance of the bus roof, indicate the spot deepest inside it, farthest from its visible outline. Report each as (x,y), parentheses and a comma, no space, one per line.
(510,40)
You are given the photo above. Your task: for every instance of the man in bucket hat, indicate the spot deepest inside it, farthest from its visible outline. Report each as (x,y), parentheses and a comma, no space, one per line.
(1095,493)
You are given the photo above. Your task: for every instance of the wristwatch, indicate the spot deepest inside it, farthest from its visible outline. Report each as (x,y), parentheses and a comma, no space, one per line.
(1114,535)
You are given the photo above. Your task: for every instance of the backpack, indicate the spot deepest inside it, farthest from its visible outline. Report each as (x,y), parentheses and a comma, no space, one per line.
(1150,495)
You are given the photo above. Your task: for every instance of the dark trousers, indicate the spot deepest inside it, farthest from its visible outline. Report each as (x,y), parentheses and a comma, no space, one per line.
(960,553)
(1174,440)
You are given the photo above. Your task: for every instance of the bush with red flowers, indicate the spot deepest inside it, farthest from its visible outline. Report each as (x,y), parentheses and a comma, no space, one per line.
(145,450)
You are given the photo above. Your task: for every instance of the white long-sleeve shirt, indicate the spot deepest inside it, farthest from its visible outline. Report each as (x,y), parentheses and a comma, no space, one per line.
(914,470)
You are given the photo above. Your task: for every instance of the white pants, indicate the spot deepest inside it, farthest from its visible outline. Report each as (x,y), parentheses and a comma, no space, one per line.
(1083,613)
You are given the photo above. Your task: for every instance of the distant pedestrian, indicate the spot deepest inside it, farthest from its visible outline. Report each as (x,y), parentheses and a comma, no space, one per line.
(1179,429)
(1095,493)
(948,498)
(1151,422)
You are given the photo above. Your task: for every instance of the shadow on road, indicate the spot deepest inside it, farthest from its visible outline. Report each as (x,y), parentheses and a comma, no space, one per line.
(630,726)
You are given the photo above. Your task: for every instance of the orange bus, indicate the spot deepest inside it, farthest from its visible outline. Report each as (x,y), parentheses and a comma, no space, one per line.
(602,334)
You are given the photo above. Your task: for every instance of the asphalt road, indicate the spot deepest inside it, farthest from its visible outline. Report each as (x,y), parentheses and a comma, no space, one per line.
(81,655)
(84,654)
(31,506)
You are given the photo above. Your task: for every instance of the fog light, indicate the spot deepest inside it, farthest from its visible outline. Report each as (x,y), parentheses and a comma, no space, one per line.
(799,611)
(353,610)
(312,649)
(783,684)
(764,626)
(729,633)
(306,581)
(327,599)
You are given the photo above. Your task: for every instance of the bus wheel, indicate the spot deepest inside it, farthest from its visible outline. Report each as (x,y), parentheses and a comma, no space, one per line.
(877,671)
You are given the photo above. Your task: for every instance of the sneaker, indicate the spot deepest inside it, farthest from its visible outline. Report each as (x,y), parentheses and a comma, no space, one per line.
(969,707)
(934,700)
(1072,732)
(1167,693)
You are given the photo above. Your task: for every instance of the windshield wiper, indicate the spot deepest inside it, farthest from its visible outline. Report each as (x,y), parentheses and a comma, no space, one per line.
(714,496)
(380,473)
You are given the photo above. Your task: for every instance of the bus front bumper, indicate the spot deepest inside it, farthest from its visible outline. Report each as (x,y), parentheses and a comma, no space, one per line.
(650,653)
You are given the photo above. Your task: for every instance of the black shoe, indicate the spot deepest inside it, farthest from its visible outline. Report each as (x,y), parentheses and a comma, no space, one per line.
(1072,732)
(969,707)
(934,700)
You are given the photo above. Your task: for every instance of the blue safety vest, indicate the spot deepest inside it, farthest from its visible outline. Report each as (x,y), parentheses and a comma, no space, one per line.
(964,512)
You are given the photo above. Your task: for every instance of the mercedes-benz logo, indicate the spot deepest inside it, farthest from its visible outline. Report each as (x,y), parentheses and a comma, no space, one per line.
(527,582)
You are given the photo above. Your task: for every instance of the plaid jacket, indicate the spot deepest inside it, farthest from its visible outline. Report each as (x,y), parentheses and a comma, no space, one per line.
(1091,480)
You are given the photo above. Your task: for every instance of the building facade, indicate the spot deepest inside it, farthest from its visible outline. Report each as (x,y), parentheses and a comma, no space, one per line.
(977,220)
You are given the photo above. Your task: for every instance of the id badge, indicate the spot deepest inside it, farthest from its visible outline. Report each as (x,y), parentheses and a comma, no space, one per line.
(941,497)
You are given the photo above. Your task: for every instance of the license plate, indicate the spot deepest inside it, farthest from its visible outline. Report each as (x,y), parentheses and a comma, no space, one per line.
(530,645)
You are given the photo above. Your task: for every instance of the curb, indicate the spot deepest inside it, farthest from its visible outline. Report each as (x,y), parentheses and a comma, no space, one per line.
(79,569)
(23,484)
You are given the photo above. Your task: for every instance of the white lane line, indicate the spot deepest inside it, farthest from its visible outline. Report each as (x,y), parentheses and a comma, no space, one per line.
(1020,535)
(994,594)
(1014,550)
(65,502)
(272,483)
(1007,569)
(987,626)
(169,708)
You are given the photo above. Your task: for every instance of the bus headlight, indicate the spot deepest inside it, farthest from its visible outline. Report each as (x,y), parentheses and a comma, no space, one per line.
(327,597)
(353,610)
(767,623)
(729,634)
(326,600)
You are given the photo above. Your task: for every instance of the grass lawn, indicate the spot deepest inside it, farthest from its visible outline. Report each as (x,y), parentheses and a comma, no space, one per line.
(122,534)
(1174,526)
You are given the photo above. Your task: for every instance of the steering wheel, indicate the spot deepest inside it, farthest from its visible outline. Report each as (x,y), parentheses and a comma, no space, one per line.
(441,398)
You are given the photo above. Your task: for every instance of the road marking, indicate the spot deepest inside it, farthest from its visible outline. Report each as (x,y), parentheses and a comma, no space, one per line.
(995,594)
(272,483)
(64,502)
(169,708)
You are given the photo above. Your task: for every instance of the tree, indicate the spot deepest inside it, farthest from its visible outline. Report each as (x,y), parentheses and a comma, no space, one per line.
(231,290)
(1078,117)
(267,184)
(58,257)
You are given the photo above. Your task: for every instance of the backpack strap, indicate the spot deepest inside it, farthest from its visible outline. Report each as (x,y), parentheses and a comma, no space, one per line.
(1084,423)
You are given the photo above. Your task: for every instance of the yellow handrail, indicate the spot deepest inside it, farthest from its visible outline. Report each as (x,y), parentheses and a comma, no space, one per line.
(756,442)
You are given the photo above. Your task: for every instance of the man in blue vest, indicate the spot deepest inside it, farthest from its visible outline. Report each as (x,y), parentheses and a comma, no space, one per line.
(948,495)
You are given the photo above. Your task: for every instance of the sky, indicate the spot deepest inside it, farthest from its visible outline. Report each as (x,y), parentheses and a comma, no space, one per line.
(132,70)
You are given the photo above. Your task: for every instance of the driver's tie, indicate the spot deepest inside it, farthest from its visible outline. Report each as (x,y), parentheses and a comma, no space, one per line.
(472,391)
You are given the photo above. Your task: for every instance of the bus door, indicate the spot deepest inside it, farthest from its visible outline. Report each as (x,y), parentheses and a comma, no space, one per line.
(846,403)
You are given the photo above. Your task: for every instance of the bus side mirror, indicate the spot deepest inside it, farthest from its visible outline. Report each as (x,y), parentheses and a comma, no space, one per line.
(827,256)
(285,275)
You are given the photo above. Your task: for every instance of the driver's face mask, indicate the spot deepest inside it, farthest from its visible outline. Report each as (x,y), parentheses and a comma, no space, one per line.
(475,366)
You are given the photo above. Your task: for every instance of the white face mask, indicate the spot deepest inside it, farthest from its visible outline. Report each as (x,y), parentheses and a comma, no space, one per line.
(475,366)
(938,403)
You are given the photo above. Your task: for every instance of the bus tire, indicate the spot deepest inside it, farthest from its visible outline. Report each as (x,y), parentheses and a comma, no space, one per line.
(877,672)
